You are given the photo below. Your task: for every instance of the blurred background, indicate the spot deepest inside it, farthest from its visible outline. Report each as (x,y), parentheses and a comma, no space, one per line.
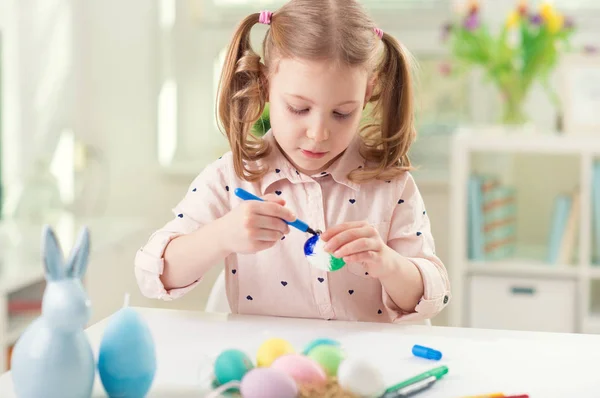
(107,114)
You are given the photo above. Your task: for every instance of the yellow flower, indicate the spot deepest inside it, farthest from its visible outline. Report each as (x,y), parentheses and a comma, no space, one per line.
(555,22)
(513,19)
(546,11)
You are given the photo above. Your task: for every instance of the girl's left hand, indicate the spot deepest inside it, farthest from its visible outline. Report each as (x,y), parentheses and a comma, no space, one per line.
(360,242)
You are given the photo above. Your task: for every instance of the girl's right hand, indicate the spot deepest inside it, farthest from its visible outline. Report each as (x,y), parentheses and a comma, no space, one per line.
(254,226)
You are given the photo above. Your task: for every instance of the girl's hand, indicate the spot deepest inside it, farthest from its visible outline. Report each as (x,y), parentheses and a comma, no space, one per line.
(360,242)
(254,226)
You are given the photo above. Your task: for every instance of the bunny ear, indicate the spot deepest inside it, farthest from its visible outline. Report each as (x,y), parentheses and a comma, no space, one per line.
(52,255)
(78,261)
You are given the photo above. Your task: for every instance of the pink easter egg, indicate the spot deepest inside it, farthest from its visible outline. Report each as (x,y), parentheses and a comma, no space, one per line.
(301,368)
(268,383)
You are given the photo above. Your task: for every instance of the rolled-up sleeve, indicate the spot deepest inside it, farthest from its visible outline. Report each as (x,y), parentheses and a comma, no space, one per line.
(206,200)
(410,235)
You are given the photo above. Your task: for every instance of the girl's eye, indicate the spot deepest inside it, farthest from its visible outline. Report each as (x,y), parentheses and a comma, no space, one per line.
(297,111)
(339,115)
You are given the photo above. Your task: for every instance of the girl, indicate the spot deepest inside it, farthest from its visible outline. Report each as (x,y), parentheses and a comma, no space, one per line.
(323,63)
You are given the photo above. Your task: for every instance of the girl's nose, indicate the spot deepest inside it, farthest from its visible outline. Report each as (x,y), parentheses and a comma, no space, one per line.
(318,133)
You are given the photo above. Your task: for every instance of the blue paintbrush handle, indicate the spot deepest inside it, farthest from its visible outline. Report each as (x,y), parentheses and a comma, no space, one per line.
(245,195)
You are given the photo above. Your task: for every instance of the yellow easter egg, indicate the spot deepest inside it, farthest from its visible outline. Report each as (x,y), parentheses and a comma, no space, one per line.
(272,349)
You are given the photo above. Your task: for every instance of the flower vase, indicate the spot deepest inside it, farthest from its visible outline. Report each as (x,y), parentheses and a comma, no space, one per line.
(513,113)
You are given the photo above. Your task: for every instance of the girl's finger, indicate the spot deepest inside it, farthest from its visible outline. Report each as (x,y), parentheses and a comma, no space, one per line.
(335,230)
(275,210)
(268,223)
(265,235)
(357,246)
(348,236)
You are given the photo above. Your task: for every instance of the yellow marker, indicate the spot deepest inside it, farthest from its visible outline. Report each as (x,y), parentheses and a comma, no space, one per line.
(493,395)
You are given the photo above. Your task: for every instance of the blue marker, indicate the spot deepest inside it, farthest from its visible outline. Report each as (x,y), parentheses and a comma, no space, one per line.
(426,352)
(301,225)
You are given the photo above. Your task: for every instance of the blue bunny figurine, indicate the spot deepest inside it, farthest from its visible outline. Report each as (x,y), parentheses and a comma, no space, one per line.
(53,357)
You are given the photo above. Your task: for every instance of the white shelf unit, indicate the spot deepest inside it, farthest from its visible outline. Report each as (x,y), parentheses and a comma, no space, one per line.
(523,292)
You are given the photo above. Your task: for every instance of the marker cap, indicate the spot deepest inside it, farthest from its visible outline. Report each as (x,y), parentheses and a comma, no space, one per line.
(426,352)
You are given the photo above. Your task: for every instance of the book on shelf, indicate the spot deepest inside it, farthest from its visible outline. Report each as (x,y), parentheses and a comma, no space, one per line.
(564,228)
(24,306)
(492,218)
(596,213)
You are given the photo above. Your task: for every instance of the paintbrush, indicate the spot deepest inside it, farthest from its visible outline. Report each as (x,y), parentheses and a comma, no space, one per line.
(299,224)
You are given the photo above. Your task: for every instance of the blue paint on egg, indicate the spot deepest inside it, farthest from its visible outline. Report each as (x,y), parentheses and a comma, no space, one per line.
(309,245)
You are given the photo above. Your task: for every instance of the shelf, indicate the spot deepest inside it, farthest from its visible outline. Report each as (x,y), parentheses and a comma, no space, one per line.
(13,279)
(521,268)
(17,325)
(527,141)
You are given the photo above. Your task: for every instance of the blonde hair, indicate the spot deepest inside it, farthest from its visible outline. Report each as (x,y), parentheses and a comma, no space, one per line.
(336,30)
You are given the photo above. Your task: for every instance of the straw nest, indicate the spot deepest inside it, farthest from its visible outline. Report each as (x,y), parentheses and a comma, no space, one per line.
(331,389)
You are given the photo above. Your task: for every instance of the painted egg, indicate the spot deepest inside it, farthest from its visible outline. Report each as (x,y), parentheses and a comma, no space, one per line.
(328,356)
(268,383)
(360,377)
(318,342)
(231,365)
(272,349)
(318,257)
(300,368)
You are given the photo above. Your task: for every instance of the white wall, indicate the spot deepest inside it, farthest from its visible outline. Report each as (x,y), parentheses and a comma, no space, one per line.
(116,53)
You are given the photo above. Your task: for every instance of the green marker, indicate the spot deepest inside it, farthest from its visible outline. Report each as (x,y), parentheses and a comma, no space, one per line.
(436,372)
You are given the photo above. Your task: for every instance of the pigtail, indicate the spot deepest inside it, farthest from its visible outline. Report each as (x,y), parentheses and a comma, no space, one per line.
(242,96)
(390,132)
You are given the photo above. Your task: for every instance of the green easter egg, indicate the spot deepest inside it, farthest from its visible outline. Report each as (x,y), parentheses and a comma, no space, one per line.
(328,356)
(231,365)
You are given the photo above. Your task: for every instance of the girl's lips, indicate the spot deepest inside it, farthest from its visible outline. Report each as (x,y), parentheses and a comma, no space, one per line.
(313,155)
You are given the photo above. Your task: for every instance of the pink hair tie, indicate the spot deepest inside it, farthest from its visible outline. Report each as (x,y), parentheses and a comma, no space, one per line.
(378,32)
(265,17)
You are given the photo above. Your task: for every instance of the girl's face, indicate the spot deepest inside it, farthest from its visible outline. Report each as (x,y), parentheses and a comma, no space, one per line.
(315,110)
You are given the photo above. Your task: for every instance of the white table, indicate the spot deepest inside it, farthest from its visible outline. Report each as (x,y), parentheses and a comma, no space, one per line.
(543,365)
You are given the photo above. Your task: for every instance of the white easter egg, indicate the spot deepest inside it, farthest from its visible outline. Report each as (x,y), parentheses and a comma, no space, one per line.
(360,377)
(314,250)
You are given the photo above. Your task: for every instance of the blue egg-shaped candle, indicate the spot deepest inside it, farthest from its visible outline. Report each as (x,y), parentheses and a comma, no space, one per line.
(127,357)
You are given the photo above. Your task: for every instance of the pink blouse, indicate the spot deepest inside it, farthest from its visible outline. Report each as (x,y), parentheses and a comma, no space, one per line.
(279,281)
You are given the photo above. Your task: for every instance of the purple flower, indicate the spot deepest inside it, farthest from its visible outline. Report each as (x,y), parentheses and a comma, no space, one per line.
(472,22)
(535,19)
(590,49)
(569,23)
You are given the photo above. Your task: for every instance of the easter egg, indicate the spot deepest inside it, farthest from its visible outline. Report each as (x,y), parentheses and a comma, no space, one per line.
(318,342)
(127,359)
(317,256)
(268,383)
(328,356)
(231,365)
(300,368)
(272,349)
(360,377)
